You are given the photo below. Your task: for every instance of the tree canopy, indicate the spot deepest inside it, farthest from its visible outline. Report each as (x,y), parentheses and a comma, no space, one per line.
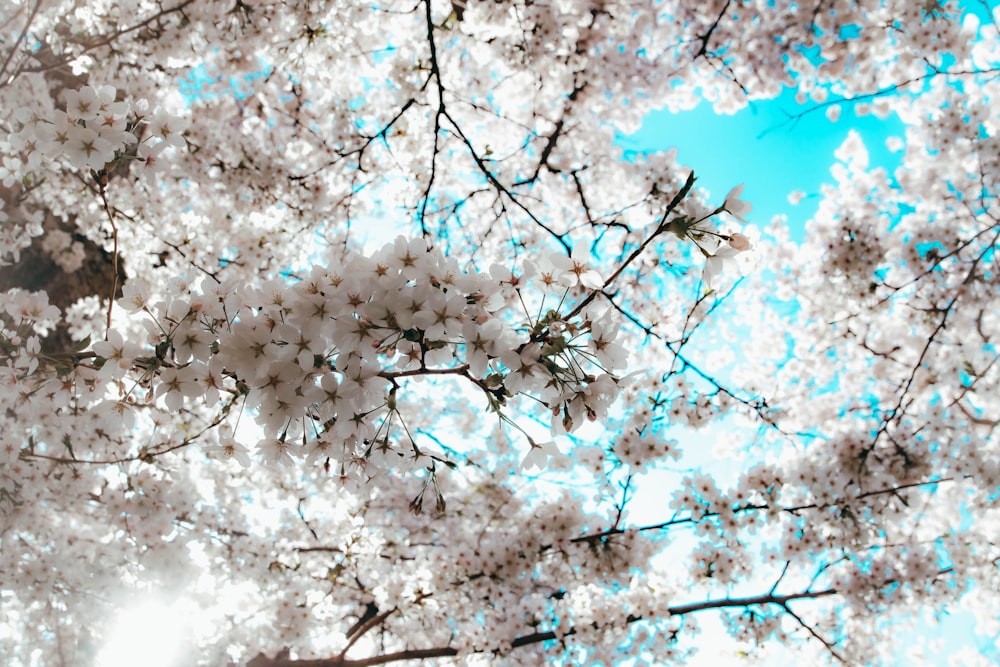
(218,392)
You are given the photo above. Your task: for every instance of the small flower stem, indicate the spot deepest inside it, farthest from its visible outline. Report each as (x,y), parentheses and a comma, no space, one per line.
(661,227)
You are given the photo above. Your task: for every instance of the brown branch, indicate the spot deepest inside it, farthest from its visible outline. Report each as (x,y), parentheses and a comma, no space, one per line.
(108,39)
(812,631)
(539,637)
(603,535)
(13,47)
(145,455)
(768,599)
(703,49)
(364,624)
(500,187)
(141,456)
(792,119)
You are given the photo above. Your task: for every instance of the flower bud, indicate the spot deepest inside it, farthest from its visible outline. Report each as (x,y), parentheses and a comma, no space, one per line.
(739,242)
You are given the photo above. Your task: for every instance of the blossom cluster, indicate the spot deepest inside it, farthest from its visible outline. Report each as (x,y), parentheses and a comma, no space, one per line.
(97,127)
(98,130)
(321,361)
(27,317)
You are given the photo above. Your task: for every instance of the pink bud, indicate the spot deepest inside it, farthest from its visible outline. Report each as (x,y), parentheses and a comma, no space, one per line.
(738,242)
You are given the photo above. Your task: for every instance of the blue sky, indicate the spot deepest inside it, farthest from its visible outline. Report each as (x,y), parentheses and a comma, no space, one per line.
(760,147)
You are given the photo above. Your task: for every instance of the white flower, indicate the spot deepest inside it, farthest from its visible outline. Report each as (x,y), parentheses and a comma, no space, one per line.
(83,104)
(118,354)
(31,307)
(735,205)
(150,154)
(53,137)
(538,455)
(135,295)
(191,342)
(482,342)
(10,171)
(176,383)
(32,349)
(609,354)
(715,264)
(524,369)
(275,451)
(795,197)
(168,127)
(86,149)
(229,449)
(577,269)
(440,316)
(211,381)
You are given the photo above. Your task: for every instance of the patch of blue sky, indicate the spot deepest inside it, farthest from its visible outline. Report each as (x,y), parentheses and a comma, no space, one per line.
(982,9)
(200,83)
(775,147)
(196,83)
(380,55)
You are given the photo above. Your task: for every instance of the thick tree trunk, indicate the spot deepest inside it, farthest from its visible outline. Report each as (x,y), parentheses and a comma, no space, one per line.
(37,271)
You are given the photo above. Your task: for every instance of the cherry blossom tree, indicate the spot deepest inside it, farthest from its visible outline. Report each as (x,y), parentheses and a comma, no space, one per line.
(330,451)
